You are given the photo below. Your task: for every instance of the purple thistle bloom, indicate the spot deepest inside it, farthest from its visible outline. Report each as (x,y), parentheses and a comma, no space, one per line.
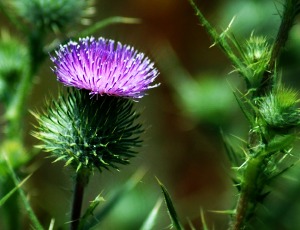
(102,67)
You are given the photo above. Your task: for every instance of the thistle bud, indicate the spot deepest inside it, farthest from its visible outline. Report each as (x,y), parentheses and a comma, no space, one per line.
(279,109)
(256,56)
(51,14)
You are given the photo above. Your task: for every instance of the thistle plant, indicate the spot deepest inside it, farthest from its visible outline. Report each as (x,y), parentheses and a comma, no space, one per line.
(270,107)
(95,126)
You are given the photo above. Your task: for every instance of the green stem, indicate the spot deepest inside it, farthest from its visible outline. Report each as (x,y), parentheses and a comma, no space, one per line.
(289,13)
(82,178)
(16,107)
(288,17)
(250,191)
(35,222)
(253,181)
(219,39)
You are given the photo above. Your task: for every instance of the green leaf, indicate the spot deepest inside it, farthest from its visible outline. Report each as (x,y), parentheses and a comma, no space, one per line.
(117,196)
(231,154)
(192,227)
(150,221)
(226,212)
(8,195)
(204,225)
(35,222)
(244,109)
(280,142)
(170,206)
(94,28)
(51,225)
(219,39)
(107,22)
(90,210)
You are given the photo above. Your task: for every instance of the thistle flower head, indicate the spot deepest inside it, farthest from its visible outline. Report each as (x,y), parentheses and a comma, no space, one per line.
(89,133)
(104,67)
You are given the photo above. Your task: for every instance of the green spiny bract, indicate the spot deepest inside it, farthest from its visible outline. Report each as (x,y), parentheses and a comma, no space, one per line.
(51,14)
(279,109)
(98,132)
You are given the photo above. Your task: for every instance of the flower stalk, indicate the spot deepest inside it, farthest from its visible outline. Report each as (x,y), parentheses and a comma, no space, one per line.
(82,178)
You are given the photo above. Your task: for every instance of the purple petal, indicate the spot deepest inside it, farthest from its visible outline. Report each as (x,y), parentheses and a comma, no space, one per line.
(104,67)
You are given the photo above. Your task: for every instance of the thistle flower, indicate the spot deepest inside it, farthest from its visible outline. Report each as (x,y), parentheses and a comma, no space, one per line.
(104,67)
(89,133)
(98,132)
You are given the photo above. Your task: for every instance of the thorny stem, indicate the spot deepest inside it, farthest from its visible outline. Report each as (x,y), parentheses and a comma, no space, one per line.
(80,183)
(219,39)
(252,182)
(288,17)
(252,185)
(291,9)
(250,192)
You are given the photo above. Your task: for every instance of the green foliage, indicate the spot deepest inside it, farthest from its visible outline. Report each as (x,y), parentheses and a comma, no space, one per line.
(32,216)
(149,223)
(90,210)
(97,216)
(50,14)
(171,209)
(204,224)
(7,196)
(98,132)
(192,93)
(14,62)
(270,108)
(107,142)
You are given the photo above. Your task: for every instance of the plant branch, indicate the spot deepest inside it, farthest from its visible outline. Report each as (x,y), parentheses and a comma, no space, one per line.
(36,224)
(290,11)
(251,189)
(219,39)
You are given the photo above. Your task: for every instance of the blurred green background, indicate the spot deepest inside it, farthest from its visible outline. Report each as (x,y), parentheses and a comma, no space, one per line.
(182,145)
